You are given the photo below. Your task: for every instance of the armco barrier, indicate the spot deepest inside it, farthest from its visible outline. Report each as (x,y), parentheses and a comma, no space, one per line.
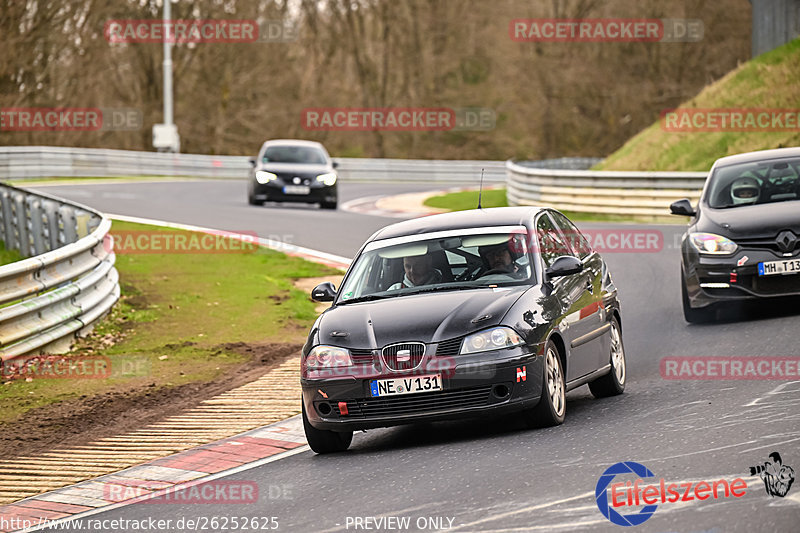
(68,280)
(25,162)
(610,192)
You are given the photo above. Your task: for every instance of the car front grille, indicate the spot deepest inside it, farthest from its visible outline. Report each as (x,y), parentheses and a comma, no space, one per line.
(403,356)
(288,178)
(429,402)
(772,243)
(775,285)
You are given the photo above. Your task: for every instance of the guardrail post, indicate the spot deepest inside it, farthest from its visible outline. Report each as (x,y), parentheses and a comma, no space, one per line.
(69,230)
(7,219)
(23,243)
(51,213)
(37,225)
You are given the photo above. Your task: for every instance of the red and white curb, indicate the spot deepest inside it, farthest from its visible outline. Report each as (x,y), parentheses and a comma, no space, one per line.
(158,477)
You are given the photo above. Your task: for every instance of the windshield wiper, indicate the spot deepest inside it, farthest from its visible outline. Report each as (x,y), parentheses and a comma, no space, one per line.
(366,298)
(445,288)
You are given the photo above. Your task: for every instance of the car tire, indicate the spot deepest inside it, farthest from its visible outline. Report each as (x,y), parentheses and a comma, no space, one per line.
(612,383)
(690,314)
(253,201)
(328,205)
(324,441)
(552,407)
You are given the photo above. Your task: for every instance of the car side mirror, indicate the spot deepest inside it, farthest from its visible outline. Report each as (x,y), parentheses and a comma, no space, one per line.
(682,207)
(252,161)
(335,164)
(324,292)
(566,265)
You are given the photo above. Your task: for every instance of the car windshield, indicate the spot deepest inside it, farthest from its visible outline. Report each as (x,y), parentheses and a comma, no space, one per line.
(761,182)
(424,263)
(294,154)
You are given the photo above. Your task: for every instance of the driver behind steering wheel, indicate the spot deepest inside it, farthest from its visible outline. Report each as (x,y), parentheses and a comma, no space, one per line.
(499,259)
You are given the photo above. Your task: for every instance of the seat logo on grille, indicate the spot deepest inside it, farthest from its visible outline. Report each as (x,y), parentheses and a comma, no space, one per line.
(403,356)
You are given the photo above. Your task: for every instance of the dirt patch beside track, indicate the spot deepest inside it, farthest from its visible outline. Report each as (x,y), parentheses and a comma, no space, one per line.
(85,419)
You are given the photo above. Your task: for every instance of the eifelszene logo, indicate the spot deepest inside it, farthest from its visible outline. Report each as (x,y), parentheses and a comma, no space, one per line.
(634,494)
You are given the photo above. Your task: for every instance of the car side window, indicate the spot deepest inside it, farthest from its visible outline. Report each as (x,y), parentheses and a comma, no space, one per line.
(551,243)
(577,240)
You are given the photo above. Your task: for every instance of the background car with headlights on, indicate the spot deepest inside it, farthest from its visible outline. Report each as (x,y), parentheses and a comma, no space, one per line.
(743,241)
(293,171)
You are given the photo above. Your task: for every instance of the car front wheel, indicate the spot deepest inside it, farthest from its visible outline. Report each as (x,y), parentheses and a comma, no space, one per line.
(552,407)
(612,383)
(324,441)
(690,314)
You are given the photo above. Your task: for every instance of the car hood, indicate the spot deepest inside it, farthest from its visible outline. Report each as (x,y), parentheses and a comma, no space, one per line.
(297,168)
(426,318)
(752,221)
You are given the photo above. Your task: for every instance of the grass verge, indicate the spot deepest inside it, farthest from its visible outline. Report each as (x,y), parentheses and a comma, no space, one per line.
(8,256)
(769,81)
(178,321)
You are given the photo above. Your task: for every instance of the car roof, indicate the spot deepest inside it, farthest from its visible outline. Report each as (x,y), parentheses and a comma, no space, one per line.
(293,142)
(473,218)
(761,155)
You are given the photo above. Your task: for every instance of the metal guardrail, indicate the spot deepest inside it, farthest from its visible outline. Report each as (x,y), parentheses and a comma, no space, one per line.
(610,192)
(69,282)
(26,162)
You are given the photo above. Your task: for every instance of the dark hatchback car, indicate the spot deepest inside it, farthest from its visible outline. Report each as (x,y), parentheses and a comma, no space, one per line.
(293,171)
(743,241)
(463,314)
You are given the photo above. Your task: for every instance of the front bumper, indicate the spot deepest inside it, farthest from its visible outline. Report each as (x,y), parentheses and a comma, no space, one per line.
(273,191)
(507,383)
(717,279)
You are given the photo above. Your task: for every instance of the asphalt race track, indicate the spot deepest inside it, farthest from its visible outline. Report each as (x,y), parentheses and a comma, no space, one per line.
(497,475)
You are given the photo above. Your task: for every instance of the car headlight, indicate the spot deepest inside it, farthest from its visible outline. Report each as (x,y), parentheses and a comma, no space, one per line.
(323,356)
(262,176)
(490,339)
(709,243)
(327,179)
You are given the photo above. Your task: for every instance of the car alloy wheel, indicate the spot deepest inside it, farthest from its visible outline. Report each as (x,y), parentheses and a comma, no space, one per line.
(612,383)
(552,406)
(555,382)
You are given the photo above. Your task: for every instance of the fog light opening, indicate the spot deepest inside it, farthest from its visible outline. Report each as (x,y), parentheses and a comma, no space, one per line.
(500,391)
(324,408)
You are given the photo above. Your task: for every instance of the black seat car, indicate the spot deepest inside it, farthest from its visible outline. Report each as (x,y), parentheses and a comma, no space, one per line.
(293,171)
(462,314)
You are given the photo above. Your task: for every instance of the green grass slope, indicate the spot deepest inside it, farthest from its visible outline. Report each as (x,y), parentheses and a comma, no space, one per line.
(770,81)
